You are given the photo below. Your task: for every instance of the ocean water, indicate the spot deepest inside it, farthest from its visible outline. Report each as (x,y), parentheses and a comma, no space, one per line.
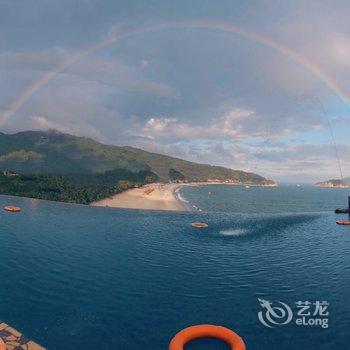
(283,199)
(79,277)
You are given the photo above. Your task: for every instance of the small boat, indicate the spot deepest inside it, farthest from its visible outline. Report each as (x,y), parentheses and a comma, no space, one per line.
(343,222)
(341,211)
(12,209)
(199,224)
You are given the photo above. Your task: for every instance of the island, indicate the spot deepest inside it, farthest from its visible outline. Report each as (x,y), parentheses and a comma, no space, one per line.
(334,183)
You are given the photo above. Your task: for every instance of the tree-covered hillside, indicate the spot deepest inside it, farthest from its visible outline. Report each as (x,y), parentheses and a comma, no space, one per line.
(73,188)
(37,152)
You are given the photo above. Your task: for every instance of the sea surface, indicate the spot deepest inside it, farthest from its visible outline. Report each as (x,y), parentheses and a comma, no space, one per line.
(282,199)
(79,277)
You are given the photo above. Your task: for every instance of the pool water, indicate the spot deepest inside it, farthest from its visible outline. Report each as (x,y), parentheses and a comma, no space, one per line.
(79,277)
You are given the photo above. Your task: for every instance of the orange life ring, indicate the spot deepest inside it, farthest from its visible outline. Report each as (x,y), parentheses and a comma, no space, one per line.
(12,209)
(2,345)
(206,331)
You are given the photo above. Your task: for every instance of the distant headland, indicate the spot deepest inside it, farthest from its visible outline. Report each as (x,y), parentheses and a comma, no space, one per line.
(61,167)
(334,183)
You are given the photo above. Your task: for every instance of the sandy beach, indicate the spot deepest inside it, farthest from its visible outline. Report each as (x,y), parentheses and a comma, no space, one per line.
(156,196)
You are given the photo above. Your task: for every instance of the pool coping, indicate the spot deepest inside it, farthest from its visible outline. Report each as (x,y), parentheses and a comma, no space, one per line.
(15,340)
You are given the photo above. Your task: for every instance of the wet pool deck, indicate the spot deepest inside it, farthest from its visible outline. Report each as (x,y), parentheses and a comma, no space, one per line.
(15,340)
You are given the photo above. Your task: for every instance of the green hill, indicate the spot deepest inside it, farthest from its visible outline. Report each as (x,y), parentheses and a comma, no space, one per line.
(57,153)
(56,166)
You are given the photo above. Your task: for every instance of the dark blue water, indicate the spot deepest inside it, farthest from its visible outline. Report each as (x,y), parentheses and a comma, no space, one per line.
(78,277)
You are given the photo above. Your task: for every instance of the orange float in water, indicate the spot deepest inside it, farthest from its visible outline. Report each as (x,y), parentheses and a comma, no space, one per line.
(2,345)
(343,222)
(199,225)
(206,331)
(12,209)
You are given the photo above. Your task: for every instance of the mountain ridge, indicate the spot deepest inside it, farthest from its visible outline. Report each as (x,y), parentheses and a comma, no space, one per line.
(52,152)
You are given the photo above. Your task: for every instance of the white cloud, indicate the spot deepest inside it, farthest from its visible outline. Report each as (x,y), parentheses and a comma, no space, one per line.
(228,125)
(237,123)
(277,160)
(42,123)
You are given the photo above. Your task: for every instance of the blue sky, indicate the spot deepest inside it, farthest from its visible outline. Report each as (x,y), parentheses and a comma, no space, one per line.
(201,94)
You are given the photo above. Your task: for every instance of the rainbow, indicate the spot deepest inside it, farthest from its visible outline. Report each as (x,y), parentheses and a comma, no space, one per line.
(264,40)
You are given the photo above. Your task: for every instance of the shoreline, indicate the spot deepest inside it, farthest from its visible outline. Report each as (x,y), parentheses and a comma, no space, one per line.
(158,196)
(154,196)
